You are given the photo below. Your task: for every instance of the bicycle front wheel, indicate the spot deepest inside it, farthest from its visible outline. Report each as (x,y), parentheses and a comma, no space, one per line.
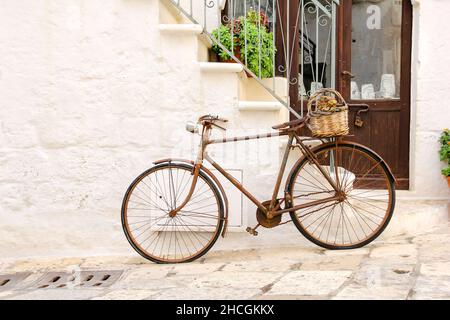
(163,238)
(367,196)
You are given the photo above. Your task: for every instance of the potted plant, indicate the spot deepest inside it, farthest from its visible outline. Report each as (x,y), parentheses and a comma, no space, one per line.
(444,153)
(251,41)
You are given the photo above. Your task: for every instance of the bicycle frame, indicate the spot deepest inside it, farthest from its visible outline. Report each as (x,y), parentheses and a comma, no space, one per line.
(274,209)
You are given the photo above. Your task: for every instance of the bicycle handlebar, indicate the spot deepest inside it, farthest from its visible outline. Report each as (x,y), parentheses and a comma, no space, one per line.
(210,117)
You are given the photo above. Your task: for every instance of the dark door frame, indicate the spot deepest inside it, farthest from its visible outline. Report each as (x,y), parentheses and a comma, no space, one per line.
(403,105)
(343,63)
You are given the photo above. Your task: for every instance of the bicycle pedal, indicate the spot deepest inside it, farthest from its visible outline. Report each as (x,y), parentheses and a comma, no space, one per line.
(252,231)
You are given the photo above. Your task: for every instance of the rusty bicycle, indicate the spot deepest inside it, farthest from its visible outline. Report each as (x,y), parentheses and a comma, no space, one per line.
(339,194)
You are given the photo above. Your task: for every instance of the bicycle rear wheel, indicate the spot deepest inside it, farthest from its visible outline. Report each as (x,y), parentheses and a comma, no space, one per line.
(163,238)
(366,207)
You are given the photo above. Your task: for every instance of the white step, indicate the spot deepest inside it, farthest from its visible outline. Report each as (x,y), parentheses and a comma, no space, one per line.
(219,67)
(170,13)
(413,217)
(184,40)
(260,106)
(179,29)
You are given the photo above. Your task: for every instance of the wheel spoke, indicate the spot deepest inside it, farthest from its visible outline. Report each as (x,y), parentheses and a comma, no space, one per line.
(172,238)
(359,214)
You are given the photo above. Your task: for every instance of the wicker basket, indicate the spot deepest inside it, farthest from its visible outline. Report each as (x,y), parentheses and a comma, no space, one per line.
(328,114)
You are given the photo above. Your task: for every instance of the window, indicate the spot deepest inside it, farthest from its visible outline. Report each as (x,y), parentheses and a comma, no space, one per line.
(376,49)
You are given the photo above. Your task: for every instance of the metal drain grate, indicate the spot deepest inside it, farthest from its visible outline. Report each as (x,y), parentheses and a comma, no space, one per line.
(10,281)
(83,279)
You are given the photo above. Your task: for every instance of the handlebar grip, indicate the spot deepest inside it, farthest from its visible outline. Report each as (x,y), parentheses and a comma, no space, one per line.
(192,127)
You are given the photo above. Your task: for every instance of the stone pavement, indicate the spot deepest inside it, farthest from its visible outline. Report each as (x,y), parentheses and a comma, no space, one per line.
(399,268)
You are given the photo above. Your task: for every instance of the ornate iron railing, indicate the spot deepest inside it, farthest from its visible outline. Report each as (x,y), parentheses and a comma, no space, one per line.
(293,39)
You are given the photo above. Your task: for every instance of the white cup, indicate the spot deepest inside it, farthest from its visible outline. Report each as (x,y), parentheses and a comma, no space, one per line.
(355,93)
(368,92)
(387,87)
(301,86)
(316,86)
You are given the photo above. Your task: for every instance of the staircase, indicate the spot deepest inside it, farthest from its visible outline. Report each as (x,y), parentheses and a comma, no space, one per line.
(249,97)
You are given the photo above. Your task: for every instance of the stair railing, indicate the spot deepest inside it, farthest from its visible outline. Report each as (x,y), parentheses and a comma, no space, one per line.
(306,58)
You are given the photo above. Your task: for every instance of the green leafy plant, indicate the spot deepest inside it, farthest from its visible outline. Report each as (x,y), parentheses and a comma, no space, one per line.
(223,34)
(444,152)
(250,41)
(446,172)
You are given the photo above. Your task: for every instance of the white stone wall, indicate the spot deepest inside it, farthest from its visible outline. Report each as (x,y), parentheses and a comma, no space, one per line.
(430,88)
(91,93)
(88,99)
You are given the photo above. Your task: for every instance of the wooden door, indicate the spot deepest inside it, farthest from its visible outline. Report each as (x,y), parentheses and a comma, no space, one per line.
(374,69)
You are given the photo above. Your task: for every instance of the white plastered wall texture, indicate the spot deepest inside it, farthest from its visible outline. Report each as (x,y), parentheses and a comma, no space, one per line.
(88,98)
(429,112)
(91,93)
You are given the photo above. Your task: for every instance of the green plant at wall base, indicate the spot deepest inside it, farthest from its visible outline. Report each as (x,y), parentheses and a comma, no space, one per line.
(250,41)
(444,152)
(446,172)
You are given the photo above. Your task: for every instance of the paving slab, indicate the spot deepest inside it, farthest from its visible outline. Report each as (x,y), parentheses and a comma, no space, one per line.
(310,283)
(57,294)
(394,250)
(346,253)
(207,293)
(4,266)
(431,287)
(436,252)
(125,294)
(431,239)
(45,264)
(374,276)
(435,268)
(350,262)
(237,280)
(114,262)
(146,279)
(358,292)
(195,268)
(265,265)
(405,267)
(5,294)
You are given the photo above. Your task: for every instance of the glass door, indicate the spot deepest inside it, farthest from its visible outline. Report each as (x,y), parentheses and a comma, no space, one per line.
(374,74)
(376,50)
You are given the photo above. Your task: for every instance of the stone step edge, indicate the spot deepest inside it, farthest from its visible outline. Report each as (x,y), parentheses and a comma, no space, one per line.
(220,67)
(269,106)
(187,29)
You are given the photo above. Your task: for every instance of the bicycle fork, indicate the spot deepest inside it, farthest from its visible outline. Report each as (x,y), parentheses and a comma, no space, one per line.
(195,171)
